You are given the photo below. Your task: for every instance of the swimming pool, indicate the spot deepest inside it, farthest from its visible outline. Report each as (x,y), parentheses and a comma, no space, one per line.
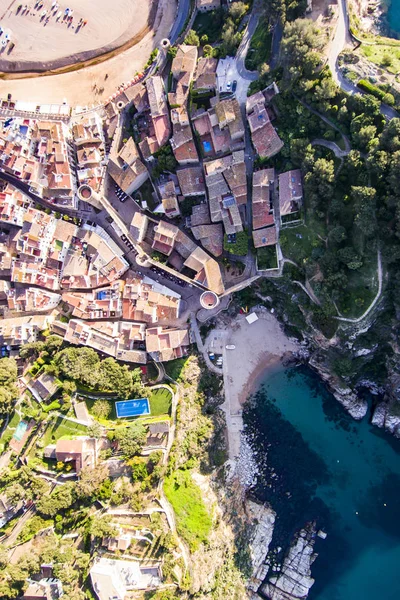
(20,431)
(132,408)
(207,147)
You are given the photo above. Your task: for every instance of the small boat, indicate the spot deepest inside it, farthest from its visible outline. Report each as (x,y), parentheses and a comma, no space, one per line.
(230,347)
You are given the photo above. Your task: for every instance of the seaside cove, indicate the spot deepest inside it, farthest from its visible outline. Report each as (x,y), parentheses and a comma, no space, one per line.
(316,463)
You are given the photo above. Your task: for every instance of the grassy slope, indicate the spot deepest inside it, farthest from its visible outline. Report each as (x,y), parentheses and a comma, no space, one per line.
(192,519)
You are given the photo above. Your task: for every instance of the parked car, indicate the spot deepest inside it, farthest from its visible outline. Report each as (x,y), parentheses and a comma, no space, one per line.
(234,86)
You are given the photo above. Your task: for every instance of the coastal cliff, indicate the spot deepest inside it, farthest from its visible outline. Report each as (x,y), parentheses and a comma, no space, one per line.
(387,413)
(348,398)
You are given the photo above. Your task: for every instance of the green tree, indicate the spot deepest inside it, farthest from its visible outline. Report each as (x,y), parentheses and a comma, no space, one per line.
(113,377)
(101,409)
(237,10)
(131,439)
(208,51)
(350,257)
(8,389)
(80,364)
(32,349)
(365,207)
(101,527)
(61,498)
(95,430)
(337,234)
(53,344)
(91,480)
(192,39)
(15,493)
(139,470)
(301,56)
(319,183)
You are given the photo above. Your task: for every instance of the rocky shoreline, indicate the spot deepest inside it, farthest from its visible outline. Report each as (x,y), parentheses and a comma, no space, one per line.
(290,580)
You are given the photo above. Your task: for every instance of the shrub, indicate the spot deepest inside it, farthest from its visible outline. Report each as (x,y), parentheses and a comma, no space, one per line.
(372,89)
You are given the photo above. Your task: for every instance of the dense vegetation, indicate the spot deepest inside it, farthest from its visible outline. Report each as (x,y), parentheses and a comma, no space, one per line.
(351,208)
(8,389)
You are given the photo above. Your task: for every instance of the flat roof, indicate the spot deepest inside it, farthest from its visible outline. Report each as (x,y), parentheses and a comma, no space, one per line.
(251,318)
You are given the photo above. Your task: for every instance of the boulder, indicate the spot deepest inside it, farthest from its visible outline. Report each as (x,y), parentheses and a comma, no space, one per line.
(262,518)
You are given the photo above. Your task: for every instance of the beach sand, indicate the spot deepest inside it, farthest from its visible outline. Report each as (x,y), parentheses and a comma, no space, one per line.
(258,346)
(96,83)
(37,40)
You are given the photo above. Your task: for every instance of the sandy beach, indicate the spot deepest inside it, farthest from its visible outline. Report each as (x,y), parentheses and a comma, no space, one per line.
(257,346)
(50,30)
(94,84)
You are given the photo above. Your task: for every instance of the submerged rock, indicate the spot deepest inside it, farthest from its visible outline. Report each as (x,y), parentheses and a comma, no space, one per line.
(294,581)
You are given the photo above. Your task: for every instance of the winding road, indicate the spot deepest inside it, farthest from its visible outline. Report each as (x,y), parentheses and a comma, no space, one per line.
(340,41)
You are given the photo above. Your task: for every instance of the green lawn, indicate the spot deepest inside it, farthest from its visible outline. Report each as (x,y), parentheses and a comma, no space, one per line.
(173,368)
(386,57)
(240,247)
(193,522)
(61,427)
(297,243)
(260,46)
(160,402)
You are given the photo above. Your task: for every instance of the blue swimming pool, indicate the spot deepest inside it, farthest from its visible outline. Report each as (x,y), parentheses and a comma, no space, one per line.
(20,431)
(132,408)
(207,147)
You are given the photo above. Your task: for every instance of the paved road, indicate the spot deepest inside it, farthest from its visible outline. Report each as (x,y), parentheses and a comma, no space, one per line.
(244,46)
(340,41)
(182,14)
(338,152)
(200,346)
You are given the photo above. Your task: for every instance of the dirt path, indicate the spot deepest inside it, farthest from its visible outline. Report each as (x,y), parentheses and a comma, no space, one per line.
(375,300)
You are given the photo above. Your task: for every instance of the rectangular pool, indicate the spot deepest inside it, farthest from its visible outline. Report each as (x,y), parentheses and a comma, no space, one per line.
(20,431)
(132,408)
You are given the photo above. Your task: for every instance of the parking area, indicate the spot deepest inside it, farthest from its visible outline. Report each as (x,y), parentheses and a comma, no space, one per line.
(123,204)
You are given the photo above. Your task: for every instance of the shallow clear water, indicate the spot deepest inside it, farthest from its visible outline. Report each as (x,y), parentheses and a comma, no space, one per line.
(337,471)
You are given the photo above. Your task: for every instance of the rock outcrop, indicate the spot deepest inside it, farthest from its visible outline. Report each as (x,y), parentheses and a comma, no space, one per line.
(294,580)
(355,406)
(262,518)
(387,413)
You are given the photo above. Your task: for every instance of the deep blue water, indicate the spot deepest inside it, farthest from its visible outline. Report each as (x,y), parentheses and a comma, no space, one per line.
(317,463)
(393,16)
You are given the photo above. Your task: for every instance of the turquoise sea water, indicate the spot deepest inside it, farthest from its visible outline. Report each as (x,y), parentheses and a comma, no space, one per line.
(393,16)
(317,463)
